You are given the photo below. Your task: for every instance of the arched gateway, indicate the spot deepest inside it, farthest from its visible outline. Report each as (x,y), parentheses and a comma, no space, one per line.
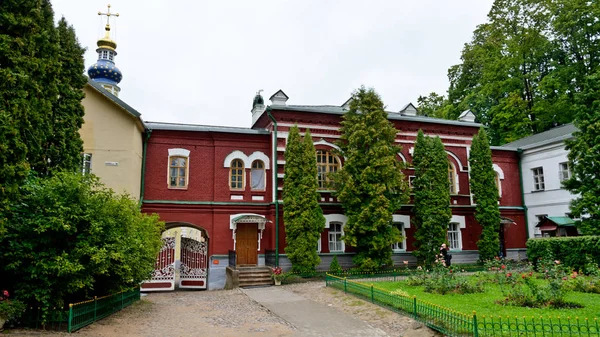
(191,251)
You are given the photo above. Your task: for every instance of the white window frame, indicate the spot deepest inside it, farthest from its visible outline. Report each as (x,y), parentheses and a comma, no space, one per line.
(264,171)
(401,226)
(456,230)
(453,183)
(561,171)
(178,152)
(319,244)
(411,181)
(538,179)
(86,167)
(499,177)
(341,233)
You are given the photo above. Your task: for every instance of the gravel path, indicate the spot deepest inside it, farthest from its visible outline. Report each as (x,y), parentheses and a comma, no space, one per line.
(231,313)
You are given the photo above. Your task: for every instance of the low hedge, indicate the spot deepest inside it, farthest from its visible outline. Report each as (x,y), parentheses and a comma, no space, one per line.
(573,251)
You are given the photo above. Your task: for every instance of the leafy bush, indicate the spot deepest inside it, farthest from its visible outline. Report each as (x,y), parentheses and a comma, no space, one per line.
(526,291)
(580,253)
(70,238)
(334,266)
(442,280)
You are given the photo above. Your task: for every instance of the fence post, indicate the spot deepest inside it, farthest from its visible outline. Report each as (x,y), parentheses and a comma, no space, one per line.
(70,322)
(95,306)
(121,299)
(345,286)
(372,297)
(415,306)
(475,330)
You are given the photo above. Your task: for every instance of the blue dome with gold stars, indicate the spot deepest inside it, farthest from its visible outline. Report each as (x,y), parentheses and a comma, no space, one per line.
(105,71)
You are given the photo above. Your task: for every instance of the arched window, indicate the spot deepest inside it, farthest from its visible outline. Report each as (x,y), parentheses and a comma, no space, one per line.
(177,172)
(257,176)
(452,179)
(236,175)
(326,163)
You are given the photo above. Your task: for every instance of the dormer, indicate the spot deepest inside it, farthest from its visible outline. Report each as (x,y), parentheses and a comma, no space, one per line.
(408,110)
(279,98)
(467,116)
(346,105)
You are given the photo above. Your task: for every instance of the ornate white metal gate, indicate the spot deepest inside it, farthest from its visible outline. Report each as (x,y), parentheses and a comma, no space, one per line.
(163,277)
(194,264)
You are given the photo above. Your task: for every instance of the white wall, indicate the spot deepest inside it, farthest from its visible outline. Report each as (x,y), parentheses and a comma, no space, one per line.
(553,201)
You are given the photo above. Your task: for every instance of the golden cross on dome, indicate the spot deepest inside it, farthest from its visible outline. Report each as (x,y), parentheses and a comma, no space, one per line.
(108,14)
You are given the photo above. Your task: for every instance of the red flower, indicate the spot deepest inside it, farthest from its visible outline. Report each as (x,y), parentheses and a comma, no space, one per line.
(508,274)
(450,271)
(503,267)
(523,276)
(5,293)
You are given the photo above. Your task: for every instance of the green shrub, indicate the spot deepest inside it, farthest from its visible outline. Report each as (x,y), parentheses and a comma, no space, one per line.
(579,253)
(335,267)
(70,238)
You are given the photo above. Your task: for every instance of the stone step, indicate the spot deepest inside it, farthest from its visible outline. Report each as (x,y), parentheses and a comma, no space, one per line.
(244,270)
(255,283)
(254,274)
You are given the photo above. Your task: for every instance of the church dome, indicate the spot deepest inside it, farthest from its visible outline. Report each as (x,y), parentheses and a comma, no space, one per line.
(105,71)
(258,100)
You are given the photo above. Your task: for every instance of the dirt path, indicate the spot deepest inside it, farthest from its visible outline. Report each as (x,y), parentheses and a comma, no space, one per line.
(231,313)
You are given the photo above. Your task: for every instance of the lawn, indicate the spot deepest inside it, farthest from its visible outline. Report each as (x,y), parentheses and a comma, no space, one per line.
(485,304)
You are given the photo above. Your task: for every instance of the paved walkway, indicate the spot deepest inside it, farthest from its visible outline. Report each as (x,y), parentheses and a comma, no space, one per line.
(309,317)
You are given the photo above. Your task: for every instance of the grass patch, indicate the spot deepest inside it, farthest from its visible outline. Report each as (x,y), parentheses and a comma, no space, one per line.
(486,303)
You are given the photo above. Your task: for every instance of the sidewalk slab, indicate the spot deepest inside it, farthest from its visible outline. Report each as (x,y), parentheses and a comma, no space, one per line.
(311,319)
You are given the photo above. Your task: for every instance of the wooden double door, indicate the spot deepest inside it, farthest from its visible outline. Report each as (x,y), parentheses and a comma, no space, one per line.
(246,244)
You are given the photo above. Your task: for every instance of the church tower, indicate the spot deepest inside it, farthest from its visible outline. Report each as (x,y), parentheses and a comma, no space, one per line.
(104,70)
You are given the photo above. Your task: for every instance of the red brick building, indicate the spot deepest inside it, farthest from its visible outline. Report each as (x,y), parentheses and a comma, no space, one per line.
(228,182)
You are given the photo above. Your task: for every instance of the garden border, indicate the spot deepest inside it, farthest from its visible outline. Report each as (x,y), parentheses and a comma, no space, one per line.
(456,324)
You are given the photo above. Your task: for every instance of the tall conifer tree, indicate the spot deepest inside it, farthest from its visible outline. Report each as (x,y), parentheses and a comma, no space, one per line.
(371,185)
(26,53)
(302,214)
(64,144)
(432,212)
(485,192)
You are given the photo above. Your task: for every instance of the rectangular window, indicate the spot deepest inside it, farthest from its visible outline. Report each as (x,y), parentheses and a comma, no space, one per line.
(411,181)
(177,172)
(538,179)
(564,172)
(87,163)
(454,238)
(257,176)
(400,245)
(335,237)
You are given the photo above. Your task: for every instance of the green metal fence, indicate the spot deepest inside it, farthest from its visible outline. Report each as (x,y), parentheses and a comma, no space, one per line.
(452,323)
(87,312)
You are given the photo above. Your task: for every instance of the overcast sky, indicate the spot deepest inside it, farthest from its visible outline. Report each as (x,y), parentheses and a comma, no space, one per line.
(201,62)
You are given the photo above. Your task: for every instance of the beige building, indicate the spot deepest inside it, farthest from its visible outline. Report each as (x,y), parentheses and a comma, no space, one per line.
(112,135)
(112,131)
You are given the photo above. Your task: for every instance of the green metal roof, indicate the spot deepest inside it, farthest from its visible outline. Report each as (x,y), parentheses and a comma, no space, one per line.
(563,221)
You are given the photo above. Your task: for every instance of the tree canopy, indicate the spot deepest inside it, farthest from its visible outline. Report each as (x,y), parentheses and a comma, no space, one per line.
(370,185)
(523,69)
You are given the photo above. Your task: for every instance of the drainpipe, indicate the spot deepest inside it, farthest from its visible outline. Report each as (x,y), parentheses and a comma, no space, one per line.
(520,152)
(275,197)
(148,133)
